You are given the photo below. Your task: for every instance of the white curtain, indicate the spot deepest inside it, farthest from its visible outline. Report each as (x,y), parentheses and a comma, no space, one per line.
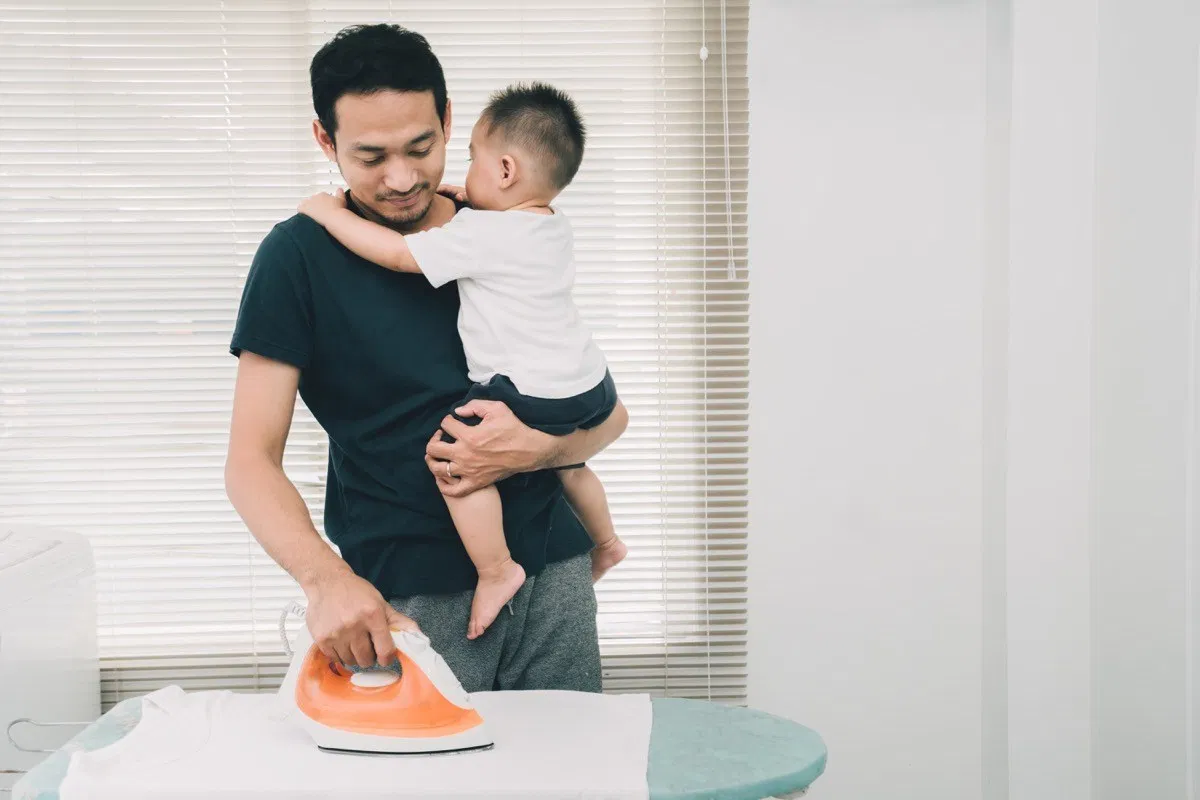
(147,147)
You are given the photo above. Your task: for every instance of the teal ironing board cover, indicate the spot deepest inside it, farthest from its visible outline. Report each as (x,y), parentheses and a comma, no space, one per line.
(698,751)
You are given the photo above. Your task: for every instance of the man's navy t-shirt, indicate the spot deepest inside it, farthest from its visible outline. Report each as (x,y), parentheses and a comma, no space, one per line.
(381,364)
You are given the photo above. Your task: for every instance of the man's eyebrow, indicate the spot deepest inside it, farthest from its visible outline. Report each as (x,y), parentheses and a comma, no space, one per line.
(424,137)
(374,148)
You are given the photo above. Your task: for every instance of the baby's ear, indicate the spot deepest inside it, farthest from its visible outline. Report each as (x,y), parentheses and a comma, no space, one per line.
(508,171)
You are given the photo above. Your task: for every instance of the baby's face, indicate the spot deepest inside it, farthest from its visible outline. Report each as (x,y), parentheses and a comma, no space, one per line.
(486,172)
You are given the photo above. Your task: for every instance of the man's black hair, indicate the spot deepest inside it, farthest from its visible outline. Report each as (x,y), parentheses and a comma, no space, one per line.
(365,59)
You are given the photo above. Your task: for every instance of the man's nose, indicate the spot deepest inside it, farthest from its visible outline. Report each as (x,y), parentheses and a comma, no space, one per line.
(400,178)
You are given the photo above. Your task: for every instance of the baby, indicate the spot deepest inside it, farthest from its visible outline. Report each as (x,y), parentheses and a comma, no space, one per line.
(512,255)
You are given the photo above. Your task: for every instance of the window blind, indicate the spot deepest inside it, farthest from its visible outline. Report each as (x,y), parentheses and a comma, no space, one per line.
(146,149)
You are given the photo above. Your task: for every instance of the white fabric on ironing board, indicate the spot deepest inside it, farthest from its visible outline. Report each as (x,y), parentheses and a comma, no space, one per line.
(231,745)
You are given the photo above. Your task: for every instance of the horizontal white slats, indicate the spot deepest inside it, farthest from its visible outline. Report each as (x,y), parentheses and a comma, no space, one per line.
(146,148)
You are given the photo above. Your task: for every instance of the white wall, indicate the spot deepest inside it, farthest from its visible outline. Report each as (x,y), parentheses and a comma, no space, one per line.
(973,320)
(867,196)
(1143,320)
(1047,389)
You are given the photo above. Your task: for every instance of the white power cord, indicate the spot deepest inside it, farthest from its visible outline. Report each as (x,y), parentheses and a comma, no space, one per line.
(294,608)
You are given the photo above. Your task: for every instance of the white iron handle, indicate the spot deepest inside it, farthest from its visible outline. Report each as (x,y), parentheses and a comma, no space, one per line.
(415,645)
(298,609)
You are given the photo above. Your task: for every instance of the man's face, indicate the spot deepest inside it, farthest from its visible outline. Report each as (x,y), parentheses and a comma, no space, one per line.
(391,150)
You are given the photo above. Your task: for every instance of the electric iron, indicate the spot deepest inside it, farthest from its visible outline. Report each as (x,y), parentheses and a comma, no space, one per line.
(423,709)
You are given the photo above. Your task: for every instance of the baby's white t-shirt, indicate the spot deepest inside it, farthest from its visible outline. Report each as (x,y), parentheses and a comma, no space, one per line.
(515,273)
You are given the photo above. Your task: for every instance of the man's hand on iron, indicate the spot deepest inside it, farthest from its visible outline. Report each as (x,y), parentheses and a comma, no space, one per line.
(499,446)
(350,621)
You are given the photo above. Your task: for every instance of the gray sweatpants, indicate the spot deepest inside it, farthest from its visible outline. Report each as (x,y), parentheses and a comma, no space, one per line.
(548,641)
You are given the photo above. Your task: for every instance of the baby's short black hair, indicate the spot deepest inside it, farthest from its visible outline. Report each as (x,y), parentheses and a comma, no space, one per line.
(542,120)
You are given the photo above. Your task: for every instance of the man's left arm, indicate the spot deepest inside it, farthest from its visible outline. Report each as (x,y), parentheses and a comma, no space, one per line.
(501,446)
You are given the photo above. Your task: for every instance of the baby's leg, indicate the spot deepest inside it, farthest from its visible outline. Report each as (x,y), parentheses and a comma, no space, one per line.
(480,522)
(586,494)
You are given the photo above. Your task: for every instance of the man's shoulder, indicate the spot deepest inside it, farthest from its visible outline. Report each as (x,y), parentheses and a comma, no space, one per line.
(296,231)
(289,244)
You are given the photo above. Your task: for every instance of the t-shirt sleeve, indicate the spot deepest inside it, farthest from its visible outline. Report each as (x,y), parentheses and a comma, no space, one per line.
(450,252)
(275,317)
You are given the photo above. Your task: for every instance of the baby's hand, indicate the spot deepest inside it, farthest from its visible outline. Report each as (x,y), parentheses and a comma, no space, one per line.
(453,192)
(322,204)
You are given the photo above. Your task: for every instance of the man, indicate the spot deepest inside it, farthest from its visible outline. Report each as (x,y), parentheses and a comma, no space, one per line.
(377,358)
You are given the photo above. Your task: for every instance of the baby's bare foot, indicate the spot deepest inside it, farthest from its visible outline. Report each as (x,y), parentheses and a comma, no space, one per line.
(606,556)
(496,587)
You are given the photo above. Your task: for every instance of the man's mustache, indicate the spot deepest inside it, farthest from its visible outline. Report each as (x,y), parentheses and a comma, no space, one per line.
(403,195)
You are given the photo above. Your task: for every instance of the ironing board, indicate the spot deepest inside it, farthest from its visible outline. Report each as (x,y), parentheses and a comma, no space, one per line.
(698,751)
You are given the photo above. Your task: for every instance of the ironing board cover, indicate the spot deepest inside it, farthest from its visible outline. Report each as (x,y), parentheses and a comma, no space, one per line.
(698,751)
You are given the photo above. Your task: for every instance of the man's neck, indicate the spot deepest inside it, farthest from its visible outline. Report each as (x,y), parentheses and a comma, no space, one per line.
(441,211)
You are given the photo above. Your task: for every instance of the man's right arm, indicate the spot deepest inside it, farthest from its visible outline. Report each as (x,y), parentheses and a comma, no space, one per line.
(263,400)
(347,616)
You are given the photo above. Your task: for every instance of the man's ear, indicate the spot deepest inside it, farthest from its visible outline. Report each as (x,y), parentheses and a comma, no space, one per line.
(446,123)
(324,141)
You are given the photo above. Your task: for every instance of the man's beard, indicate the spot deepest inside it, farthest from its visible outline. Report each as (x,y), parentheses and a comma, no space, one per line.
(400,217)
